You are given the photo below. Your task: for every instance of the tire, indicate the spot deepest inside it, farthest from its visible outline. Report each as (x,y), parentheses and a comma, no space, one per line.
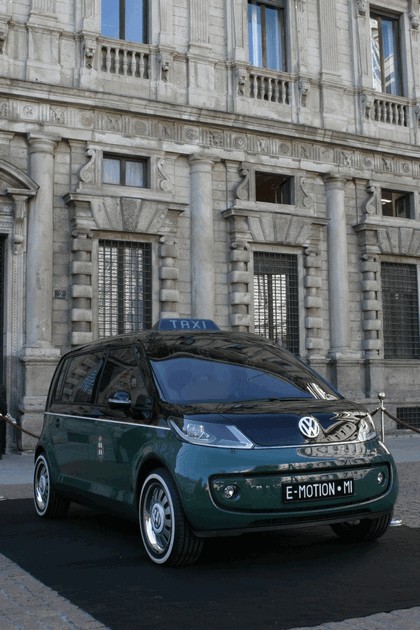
(47,503)
(166,534)
(363,530)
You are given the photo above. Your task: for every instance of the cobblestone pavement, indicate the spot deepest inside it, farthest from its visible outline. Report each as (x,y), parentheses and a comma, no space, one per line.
(27,604)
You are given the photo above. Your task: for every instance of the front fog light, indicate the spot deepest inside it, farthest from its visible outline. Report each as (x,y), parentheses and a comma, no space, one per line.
(380,478)
(230,491)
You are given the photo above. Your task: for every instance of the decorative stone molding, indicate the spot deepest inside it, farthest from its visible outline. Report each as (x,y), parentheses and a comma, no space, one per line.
(401,241)
(279,228)
(165,183)
(371,306)
(87,172)
(82,291)
(307,193)
(370,205)
(240,277)
(313,283)
(242,190)
(322,155)
(169,276)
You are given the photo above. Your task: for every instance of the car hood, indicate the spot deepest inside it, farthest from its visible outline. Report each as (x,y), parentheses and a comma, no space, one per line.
(278,423)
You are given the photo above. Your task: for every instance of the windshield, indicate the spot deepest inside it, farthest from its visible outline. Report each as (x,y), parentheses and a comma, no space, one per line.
(192,380)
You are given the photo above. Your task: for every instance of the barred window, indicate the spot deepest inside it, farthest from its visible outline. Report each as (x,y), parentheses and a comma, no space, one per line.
(124,287)
(400,311)
(410,416)
(276,307)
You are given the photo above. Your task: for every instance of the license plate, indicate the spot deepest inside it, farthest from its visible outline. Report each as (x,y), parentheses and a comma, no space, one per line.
(317,490)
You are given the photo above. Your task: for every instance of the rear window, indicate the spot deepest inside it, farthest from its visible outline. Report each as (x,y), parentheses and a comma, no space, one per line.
(78,378)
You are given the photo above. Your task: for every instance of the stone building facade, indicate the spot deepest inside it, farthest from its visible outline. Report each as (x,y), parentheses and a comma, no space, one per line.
(252,162)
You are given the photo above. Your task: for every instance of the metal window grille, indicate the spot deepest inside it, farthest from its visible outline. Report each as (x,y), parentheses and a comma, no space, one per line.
(124,287)
(276,307)
(409,415)
(400,311)
(2,293)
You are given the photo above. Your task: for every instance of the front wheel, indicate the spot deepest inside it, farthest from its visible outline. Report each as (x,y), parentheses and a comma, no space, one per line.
(47,503)
(166,534)
(362,530)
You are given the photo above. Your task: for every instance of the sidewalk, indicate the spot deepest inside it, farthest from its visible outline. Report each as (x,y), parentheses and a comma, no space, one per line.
(45,609)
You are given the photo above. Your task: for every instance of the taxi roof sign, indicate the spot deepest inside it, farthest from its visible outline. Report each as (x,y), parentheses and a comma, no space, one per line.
(186,324)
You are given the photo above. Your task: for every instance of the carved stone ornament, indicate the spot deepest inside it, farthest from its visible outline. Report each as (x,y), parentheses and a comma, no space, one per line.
(362,7)
(4,29)
(89,47)
(304,87)
(366,101)
(165,183)
(242,191)
(87,172)
(242,78)
(165,60)
(370,205)
(414,20)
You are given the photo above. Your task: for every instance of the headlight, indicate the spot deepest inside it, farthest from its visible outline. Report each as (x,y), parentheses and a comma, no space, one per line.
(209,434)
(367,429)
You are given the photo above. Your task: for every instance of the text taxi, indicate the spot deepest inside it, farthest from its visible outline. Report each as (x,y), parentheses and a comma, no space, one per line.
(197,432)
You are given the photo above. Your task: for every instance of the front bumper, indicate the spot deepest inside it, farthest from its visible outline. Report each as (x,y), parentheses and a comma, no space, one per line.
(257,500)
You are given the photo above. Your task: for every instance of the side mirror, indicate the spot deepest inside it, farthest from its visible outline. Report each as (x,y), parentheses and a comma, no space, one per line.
(142,408)
(119,400)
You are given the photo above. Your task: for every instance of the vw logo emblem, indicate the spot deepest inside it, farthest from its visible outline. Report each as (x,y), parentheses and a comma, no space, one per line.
(309,427)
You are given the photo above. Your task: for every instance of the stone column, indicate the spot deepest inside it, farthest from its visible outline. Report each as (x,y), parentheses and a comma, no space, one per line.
(338,284)
(39,270)
(39,357)
(202,237)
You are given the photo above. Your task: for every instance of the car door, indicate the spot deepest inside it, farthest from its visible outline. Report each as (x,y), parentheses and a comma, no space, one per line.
(124,406)
(71,419)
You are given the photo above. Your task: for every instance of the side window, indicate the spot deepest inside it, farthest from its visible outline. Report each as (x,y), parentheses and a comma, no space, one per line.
(122,171)
(266,35)
(397,204)
(125,19)
(386,53)
(273,188)
(79,379)
(121,374)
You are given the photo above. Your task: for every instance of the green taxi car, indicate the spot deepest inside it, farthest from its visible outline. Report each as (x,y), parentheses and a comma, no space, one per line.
(197,432)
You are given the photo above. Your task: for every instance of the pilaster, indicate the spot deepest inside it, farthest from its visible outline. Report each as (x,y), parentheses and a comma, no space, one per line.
(337,266)
(202,237)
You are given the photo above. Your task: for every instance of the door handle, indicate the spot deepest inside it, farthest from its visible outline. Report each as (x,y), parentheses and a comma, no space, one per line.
(57,423)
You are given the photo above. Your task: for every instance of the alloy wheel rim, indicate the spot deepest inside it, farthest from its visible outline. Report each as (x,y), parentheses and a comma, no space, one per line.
(157,519)
(42,487)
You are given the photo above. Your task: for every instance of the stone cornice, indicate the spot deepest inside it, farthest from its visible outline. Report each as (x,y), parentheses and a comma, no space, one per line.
(318,151)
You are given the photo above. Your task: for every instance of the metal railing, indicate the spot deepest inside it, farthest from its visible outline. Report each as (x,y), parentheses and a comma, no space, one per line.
(381,409)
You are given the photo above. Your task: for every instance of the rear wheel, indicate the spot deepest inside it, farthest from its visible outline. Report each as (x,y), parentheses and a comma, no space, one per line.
(362,530)
(166,534)
(48,504)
